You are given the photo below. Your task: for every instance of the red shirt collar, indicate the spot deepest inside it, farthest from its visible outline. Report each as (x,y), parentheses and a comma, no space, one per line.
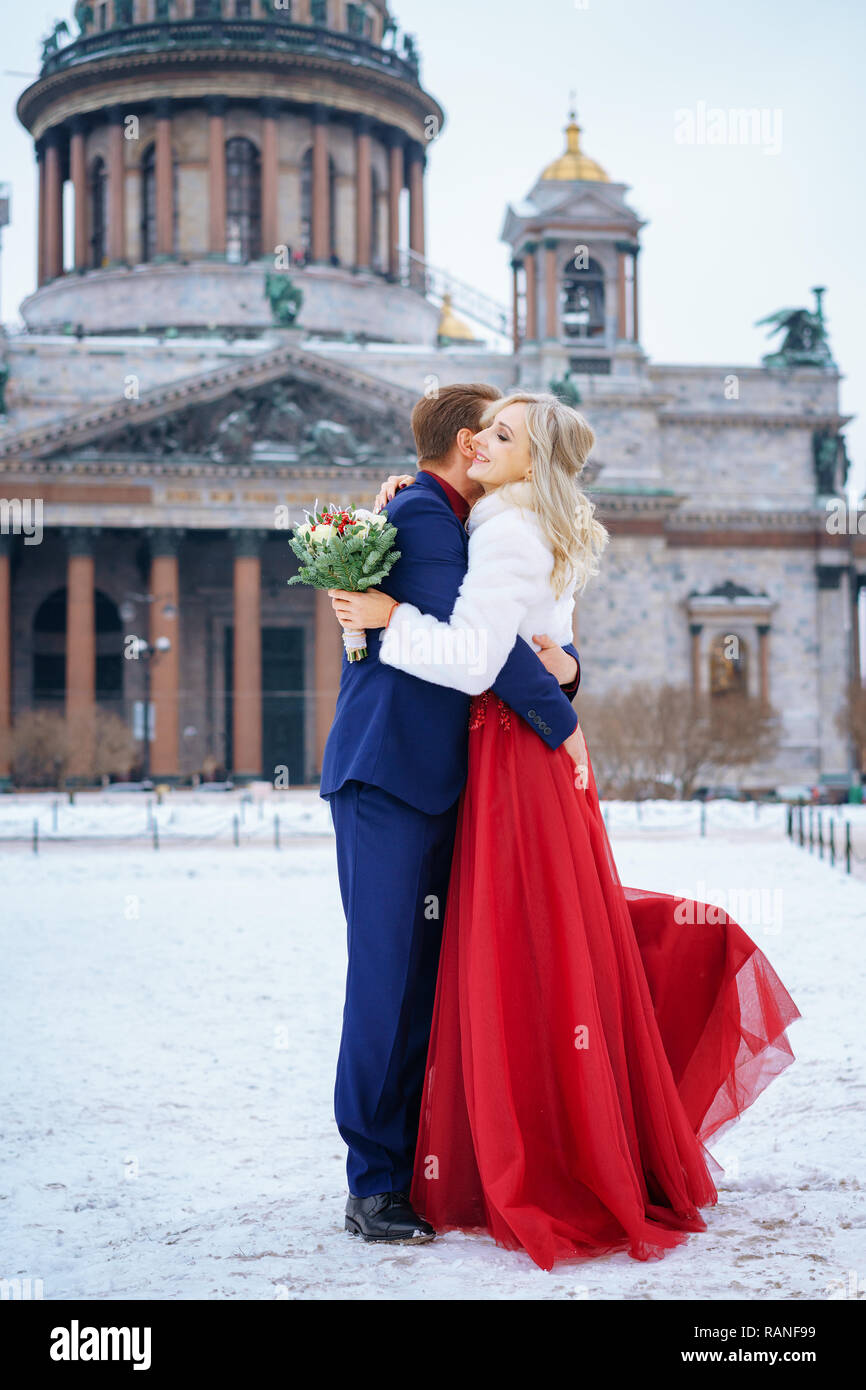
(458,503)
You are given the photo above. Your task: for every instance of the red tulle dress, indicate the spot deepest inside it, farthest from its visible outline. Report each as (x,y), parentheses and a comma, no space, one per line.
(587,1039)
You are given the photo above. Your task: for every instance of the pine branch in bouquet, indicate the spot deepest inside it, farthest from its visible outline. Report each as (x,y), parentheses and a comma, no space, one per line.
(341,548)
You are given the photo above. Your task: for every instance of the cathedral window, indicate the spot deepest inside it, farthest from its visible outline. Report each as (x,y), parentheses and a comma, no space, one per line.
(243,201)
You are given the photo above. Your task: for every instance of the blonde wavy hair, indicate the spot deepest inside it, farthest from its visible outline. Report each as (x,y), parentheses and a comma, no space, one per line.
(560,441)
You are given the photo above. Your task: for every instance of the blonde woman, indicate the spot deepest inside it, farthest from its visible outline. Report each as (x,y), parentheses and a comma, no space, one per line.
(585,1044)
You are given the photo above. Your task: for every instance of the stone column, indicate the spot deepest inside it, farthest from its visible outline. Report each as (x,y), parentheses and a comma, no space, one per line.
(247,677)
(164,587)
(396,181)
(53,206)
(516,265)
(5,657)
(40,214)
(321,192)
(551,316)
(78,174)
(80,647)
(621,315)
(696,629)
(328,667)
(416,199)
(764,661)
(531,292)
(216,176)
(635,329)
(269,110)
(116,190)
(363,194)
(164,181)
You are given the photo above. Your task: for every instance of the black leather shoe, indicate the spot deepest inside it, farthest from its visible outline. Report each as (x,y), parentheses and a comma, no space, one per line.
(387,1217)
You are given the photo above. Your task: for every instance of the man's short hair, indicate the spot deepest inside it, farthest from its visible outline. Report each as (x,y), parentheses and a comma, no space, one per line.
(436,420)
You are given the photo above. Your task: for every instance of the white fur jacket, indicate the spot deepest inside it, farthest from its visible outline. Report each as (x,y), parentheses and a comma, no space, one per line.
(505,594)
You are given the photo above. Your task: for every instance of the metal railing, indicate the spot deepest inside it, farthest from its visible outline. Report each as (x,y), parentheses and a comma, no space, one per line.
(281,35)
(416,273)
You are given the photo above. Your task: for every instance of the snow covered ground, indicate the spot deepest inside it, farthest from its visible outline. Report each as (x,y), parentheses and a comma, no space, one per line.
(170,1023)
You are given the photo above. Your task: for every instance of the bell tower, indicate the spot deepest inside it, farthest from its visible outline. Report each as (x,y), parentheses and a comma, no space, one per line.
(575,244)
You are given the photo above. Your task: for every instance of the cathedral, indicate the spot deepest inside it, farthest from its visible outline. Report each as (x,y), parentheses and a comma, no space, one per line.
(234,314)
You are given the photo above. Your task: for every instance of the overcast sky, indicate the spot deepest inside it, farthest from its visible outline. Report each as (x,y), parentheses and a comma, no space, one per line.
(734,231)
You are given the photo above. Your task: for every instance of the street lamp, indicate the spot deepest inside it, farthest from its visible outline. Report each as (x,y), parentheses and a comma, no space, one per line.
(147,652)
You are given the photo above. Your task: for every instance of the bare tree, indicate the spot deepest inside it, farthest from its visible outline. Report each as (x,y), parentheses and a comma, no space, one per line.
(662,742)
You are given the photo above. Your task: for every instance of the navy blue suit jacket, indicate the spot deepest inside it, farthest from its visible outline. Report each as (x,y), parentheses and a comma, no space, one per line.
(404,734)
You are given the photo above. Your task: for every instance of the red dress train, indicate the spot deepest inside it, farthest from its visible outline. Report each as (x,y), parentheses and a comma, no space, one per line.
(587,1039)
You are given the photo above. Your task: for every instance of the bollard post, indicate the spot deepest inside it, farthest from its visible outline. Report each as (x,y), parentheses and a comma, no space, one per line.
(155,827)
(276,830)
(703,818)
(149,814)
(820,837)
(36,837)
(54,809)
(236,828)
(832,843)
(800,823)
(789,821)
(811,827)
(847,847)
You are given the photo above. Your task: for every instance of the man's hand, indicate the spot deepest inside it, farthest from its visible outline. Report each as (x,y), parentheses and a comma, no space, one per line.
(575,747)
(390,487)
(364,610)
(558,662)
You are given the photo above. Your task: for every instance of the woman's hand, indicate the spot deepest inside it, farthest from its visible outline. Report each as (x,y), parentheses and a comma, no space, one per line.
(390,487)
(557,661)
(371,608)
(575,747)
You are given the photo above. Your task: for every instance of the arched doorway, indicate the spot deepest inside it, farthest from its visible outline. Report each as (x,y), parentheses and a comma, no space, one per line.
(583,301)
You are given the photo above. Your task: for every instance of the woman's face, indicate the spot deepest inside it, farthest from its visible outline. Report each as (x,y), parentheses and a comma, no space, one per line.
(502,451)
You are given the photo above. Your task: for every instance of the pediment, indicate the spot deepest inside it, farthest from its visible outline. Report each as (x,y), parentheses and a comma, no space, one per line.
(287,404)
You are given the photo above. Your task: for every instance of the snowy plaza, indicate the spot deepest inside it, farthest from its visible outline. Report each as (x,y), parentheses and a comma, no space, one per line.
(170,1029)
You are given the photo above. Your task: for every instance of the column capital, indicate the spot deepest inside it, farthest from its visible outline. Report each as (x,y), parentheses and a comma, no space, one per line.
(319,113)
(164,540)
(247,540)
(7,540)
(270,106)
(626,248)
(53,138)
(415,152)
(530,248)
(162,108)
(762,629)
(395,138)
(216,106)
(516,262)
(696,629)
(80,540)
(551,243)
(363,125)
(77,125)
(116,115)
(39,148)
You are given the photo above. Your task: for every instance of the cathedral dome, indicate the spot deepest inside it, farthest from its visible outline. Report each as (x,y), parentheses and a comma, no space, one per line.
(573,165)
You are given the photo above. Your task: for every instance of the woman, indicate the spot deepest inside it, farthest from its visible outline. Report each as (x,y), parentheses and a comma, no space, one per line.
(587,1039)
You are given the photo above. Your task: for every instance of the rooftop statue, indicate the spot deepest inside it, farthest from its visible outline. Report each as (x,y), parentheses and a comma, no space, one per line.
(805,343)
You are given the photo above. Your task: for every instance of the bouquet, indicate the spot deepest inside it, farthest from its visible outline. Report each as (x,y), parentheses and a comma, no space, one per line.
(344,548)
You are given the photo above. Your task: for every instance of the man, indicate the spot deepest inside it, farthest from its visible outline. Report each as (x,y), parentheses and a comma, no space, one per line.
(394,766)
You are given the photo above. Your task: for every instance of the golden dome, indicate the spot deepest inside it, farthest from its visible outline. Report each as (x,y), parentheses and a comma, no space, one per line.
(450,326)
(573,163)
